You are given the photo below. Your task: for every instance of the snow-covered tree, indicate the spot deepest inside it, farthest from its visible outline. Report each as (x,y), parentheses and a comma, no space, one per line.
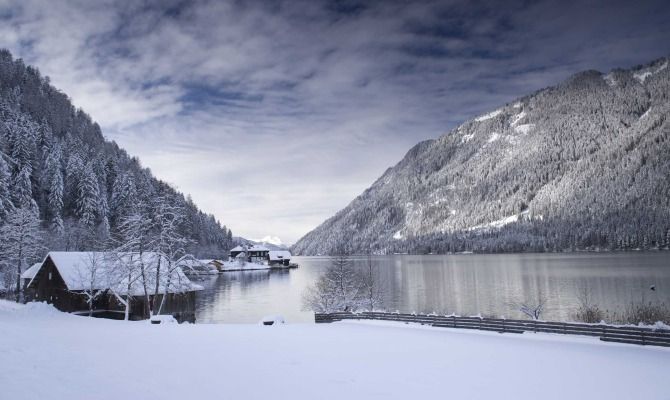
(22,189)
(169,242)
(340,288)
(88,197)
(5,194)
(55,201)
(135,237)
(92,276)
(123,278)
(373,287)
(20,243)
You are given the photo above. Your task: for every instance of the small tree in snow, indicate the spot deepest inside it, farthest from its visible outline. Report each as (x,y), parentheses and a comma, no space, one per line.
(341,288)
(169,243)
(20,243)
(135,239)
(91,277)
(373,288)
(173,281)
(533,307)
(125,274)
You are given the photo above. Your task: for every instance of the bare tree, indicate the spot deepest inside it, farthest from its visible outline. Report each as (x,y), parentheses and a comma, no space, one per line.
(173,280)
(340,288)
(588,311)
(134,237)
(374,289)
(126,273)
(170,244)
(533,307)
(92,278)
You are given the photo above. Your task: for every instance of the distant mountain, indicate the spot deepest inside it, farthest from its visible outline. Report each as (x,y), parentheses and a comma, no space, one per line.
(582,165)
(54,160)
(271,242)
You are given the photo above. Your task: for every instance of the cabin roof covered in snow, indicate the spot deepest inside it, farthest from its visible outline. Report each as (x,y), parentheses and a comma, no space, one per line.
(30,272)
(280,255)
(75,269)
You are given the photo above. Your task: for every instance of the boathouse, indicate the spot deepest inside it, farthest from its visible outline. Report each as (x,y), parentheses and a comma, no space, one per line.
(261,254)
(64,278)
(279,257)
(255,253)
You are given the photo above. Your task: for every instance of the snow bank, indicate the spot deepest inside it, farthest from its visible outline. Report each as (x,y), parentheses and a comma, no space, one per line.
(87,358)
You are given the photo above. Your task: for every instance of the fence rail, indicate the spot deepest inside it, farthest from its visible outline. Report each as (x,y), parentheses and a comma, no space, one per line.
(607,333)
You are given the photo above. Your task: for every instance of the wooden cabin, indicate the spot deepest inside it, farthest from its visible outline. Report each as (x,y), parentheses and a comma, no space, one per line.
(256,254)
(261,255)
(279,257)
(61,280)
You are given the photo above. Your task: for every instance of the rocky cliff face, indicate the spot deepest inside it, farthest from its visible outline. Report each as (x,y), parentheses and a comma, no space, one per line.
(584,164)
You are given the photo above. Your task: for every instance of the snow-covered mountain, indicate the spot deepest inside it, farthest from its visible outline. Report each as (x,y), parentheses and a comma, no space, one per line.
(271,242)
(584,164)
(55,161)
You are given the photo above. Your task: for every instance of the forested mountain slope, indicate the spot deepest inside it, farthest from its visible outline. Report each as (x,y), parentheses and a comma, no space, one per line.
(55,161)
(582,165)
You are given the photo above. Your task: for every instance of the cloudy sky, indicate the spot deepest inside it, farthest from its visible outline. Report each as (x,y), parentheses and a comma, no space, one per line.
(273,115)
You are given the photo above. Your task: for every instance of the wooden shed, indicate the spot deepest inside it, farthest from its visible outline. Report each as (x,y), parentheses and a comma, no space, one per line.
(63,279)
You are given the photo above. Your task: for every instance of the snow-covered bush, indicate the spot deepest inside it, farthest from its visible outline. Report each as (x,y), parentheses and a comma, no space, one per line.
(342,288)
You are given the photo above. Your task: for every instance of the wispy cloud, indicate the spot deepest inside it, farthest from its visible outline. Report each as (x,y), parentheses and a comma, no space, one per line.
(274,115)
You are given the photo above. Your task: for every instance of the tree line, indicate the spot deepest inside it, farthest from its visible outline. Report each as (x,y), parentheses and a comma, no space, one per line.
(64,187)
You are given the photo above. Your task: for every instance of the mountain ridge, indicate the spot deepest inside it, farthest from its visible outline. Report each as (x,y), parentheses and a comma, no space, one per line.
(55,161)
(533,163)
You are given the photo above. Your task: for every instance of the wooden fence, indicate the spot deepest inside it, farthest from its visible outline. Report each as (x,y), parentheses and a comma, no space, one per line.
(608,333)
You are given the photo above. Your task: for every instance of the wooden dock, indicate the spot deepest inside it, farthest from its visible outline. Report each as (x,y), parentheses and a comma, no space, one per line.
(608,333)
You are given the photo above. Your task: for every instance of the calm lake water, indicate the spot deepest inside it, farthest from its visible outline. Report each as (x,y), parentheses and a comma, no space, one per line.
(466,284)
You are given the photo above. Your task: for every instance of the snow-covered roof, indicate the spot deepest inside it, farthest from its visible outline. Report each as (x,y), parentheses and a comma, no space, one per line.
(255,247)
(211,261)
(280,255)
(75,269)
(30,272)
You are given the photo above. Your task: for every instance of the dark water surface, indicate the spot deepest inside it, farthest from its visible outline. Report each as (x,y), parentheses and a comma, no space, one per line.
(467,284)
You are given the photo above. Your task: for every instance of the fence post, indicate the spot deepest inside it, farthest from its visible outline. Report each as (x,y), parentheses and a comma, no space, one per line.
(454,320)
(644,340)
(503,325)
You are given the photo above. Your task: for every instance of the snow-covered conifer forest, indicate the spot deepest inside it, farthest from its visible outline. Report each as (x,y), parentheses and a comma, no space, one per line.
(64,187)
(584,165)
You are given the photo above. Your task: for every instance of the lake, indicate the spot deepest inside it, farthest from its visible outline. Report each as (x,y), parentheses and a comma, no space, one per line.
(468,284)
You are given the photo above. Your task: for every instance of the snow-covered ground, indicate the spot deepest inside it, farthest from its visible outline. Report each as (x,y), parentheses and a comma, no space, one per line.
(45,354)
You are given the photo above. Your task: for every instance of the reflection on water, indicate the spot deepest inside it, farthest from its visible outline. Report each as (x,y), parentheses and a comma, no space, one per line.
(463,284)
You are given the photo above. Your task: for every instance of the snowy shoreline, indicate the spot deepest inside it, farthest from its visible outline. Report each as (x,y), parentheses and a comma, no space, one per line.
(232,266)
(81,358)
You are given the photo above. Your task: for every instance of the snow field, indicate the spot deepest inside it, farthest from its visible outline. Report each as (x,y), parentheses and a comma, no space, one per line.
(49,355)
